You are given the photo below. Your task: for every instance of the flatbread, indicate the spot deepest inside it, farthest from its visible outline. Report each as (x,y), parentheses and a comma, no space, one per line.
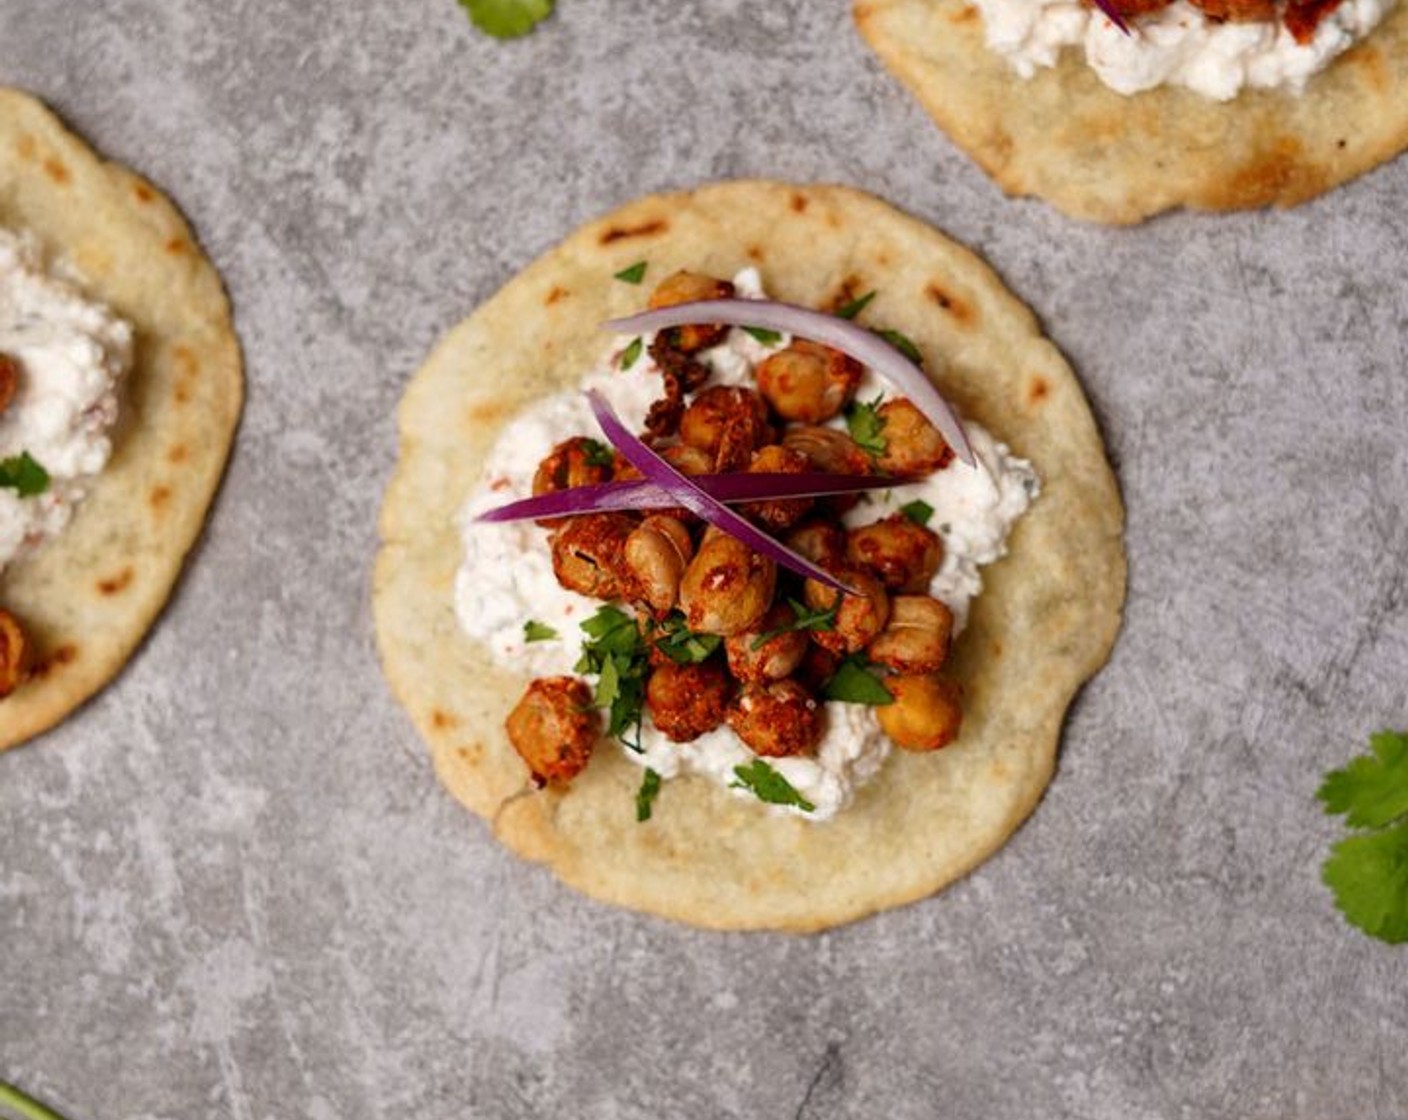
(1044,625)
(1066,137)
(87,598)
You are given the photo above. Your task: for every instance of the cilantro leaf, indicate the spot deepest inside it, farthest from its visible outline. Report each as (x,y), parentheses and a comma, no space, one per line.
(1373,789)
(682,645)
(1368,873)
(507,19)
(23,474)
(766,337)
(597,454)
(23,1105)
(902,343)
(616,654)
(856,306)
(632,353)
(823,618)
(645,798)
(635,274)
(864,422)
(768,785)
(535,631)
(919,511)
(853,683)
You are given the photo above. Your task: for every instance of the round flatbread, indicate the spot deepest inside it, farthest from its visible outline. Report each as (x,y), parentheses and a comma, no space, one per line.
(87,597)
(1043,626)
(1066,137)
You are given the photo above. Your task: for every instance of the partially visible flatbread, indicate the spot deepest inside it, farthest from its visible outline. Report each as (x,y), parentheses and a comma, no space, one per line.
(1066,137)
(87,598)
(1043,626)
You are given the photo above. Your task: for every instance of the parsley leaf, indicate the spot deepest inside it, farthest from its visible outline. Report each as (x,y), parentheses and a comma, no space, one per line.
(597,453)
(855,684)
(535,631)
(768,785)
(682,645)
(864,422)
(24,474)
(631,354)
(856,306)
(635,274)
(919,511)
(1368,872)
(766,337)
(616,654)
(507,19)
(902,343)
(823,618)
(645,798)
(23,1105)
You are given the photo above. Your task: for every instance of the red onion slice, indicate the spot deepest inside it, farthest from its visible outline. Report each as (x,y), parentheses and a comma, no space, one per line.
(862,345)
(698,500)
(1113,15)
(638,494)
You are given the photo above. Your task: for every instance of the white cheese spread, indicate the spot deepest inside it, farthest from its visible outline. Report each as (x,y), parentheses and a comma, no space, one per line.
(506,577)
(72,355)
(1177,45)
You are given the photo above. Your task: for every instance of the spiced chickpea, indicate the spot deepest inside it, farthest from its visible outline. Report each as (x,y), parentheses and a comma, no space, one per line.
(725,413)
(727,587)
(827,449)
(784,512)
(905,556)
(916,639)
(655,556)
(777,719)
(818,666)
(691,287)
(754,659)
(913,446)
(574,462)
(588,554)
(9,381)
(687,701)
(859,617)
(14,654)
(926,715)
(808,382)
(554,728)
(820,541)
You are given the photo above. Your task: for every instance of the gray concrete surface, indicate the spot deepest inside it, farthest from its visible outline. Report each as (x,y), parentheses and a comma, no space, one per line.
(231,887)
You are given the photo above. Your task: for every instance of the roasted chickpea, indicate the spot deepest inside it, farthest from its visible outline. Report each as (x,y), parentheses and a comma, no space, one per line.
(753,660)
(777,719)
(574,462)
(780,514)
(904,555)
(554,728)
(9,381)
(686,459)
(691,287)
(687,701)
(725,413)
(656,554)
(926,715)
(860,617)
(827,449)
(917,637)
(588,554)
(821,542)
(14,654)
(727,587)
(1235,10)
(808,382)
(818,666)
(913,446)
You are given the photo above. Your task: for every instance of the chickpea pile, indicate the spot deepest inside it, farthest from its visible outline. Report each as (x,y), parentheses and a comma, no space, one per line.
(766,679)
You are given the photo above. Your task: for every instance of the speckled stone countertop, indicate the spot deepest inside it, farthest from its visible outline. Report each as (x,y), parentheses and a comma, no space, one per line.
(231,887)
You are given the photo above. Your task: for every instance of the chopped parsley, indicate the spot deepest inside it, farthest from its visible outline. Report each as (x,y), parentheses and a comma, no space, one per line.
(616,655)
(856,306)
(854,683)
(768,785)
(1368,871)
(23,474)
(535,631)
(919,511)
(823,618)
(902,343)
(507,19)
(864,422)
(633,275)
(766,337)
(682,645)
(632,353)
(645,798)
(597,454)
(23,1105)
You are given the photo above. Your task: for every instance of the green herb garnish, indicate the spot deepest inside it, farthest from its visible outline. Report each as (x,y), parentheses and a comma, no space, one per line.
(633,275)
(856,684)
(23,1105)
(632,353)
(1368,872)
(768,785)
(597,454)
(864,422)
(766,337)
(535,631)
(507,19)
(856,306)
(616,655)
(23,473)
(645,797)
(823,618)
(902,343)
(919,511)
(682,645)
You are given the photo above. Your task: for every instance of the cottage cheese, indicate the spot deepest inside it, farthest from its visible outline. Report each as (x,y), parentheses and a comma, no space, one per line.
(506,576)
(72,355)
(1178,45)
